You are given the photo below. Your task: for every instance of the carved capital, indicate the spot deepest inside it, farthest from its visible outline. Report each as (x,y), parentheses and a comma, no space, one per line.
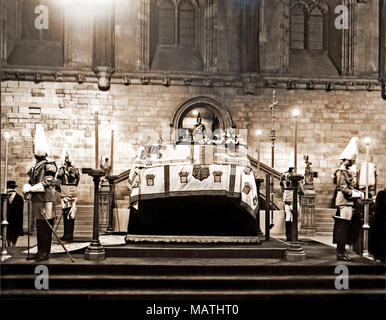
(104,76)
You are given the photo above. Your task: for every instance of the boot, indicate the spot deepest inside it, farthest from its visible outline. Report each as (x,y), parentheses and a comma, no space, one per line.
(341,238)
(46,238)
(71,225)
(288,230)
(66,226)
(39,238)
(68,230)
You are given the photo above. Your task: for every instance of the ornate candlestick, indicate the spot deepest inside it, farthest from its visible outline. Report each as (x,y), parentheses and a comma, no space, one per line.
(4,224)
(272,107)
(4,204)
(295,251)
(111,179)
(95,251)
(366,203)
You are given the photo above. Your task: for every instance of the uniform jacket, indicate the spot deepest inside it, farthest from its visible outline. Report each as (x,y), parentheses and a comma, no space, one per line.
(285,184)
(69,176)
(43,172)
(345,183)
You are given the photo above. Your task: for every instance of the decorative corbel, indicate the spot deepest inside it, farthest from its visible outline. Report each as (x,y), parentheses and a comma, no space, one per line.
(80,78)
(126,80)
(329,86)
(104,76)
(144,80)
(58,76)
(270,84)
(166,81)
(310,85)
(208,82)
(20,76)
(38,77)
(249,86)
(369,87)
(291,85)
(350,86)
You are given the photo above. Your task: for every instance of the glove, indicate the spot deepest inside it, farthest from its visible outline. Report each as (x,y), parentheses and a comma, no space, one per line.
(27,188)
(72,212)
(357,194)
(37,188)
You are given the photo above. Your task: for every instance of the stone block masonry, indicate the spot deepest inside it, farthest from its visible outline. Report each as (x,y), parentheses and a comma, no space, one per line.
(141,114)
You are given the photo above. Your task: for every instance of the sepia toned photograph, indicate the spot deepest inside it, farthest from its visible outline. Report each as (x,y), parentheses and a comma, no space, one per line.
(194,158)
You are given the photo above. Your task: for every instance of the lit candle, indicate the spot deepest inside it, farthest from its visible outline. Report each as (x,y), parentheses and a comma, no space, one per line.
(96,141)
(6,137)
(112,152)
(296,113)
(258,134)
(368,142)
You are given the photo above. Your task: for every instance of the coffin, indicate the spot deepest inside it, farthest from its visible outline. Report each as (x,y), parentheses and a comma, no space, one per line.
(192,189)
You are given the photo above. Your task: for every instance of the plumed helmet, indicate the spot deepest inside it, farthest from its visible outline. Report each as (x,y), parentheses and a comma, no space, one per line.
(351,150)
(66,155)
(40,142)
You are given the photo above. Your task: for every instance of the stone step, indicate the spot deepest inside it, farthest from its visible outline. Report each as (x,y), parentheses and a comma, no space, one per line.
(178,278)
(151,294)
(325,229)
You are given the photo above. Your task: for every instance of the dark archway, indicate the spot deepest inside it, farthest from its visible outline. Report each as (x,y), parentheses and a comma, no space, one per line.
(221,113)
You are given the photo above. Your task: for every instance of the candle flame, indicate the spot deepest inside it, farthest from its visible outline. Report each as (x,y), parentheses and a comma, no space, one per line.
(295,112)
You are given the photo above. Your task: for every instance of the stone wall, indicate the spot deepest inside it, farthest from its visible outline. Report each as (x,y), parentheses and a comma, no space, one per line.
(141,114)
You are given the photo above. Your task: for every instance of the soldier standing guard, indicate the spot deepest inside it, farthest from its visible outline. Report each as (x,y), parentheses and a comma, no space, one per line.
(69,177)
(41,189)
(287,189)
(345,195)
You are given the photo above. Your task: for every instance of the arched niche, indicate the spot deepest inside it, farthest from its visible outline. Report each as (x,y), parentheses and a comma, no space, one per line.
(219,111)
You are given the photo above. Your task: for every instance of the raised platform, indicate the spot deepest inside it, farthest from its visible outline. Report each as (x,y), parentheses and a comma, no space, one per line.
(133,238)
(273,249)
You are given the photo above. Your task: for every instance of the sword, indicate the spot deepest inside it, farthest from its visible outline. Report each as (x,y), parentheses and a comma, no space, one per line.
(57,238)
(29,203)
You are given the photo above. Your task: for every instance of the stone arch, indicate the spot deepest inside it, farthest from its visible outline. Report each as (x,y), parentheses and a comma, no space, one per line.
(210,104)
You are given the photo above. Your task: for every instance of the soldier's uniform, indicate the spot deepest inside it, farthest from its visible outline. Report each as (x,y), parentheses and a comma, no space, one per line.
(43,174)
(41,189)
(344,201)
(69,176)
(287,189)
